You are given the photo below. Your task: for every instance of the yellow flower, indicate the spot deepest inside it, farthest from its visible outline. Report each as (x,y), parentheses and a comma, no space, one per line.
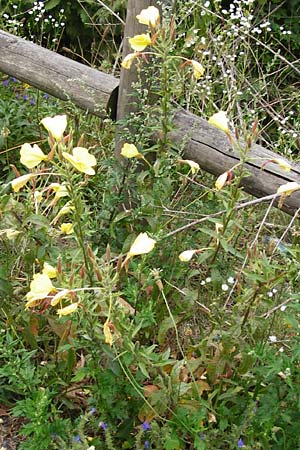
(143,244)
(149,16)
(67,309)
(130,151)
(40,287)
(288,188)
(220,121)
(128,60)
(198,69)
(107,334)
(187,255)
(31,156)
(282,164)
(221,181)
(59,189)
(59,296)
(67,228)
(55,125)
(82,160)
(20,182)
(140,42)
(193,165)
(63,211)
(49,270)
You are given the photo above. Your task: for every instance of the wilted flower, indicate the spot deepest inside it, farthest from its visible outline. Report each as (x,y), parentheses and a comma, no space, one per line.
(220,121)
(67,228)
(31,156)
(221,180)
(59,189)
(198,69)
(149,16)
(143,244)
(187,255)
(60,296)
(63,211)
(82,160)
(284,165)
(67,309)
(193,165)
(10,234)
(20,182)
(140,42)
(130,151)
(107,334)
(288,188)
(55,125)
(128,60)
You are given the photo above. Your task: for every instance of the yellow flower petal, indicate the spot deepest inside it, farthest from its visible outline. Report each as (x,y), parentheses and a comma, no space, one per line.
(187,255)
(221,181)
(140,42)
(59,189)
(67,228)
(288,188)
(284,165)
(143,244)
(49,270)
(40,287)
(128,60)
(220,121)
(198,69)
(31,156)
(60,296)
(81,159)
(55,125)
(149,16)
(67,309)
(20,182)
(130,151)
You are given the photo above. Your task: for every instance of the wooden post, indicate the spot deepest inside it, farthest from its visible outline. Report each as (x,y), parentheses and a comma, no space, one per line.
(128,77)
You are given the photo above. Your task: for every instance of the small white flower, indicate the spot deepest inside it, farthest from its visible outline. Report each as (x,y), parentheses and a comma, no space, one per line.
(202,283)
(208,280)
(270,294)
(274,291)
(225,287)
(281,349)
(283,308)
(231,280)
(272,339)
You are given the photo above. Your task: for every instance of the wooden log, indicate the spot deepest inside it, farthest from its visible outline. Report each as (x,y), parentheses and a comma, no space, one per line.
(94,91)
(90,89)
(210,148)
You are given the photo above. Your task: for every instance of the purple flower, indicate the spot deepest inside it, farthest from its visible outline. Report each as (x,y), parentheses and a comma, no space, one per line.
(147,444)
(25,97)
(6,82)
(103,425)
(14,79)
(46,96)
(240,443)
(76,438)
(92,410)
(146,426)
(32,101)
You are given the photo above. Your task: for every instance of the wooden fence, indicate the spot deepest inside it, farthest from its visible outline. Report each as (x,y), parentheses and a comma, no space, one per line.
(97,92)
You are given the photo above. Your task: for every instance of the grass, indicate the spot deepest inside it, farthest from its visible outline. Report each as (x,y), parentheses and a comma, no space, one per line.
(127,328)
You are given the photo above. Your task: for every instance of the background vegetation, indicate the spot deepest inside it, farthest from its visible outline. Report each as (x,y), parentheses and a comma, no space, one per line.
(162,352)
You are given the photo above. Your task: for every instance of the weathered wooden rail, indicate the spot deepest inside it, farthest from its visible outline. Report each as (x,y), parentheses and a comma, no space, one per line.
(96,92)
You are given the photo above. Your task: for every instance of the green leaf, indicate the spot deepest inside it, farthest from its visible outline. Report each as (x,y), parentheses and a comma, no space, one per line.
(172,443)
(52,4)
